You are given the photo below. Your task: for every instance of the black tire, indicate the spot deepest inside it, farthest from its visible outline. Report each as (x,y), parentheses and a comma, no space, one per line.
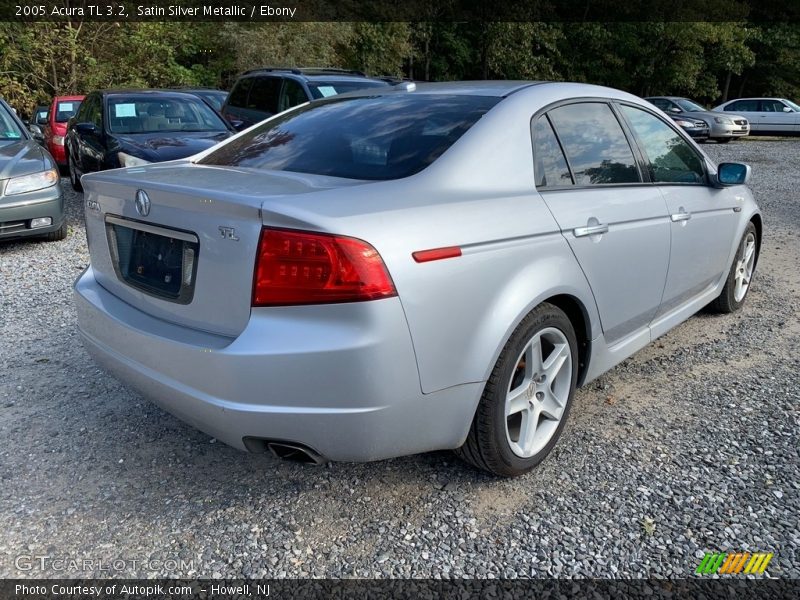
(726,302)
(57,235)
(723,140)
(487,446)
(74,180)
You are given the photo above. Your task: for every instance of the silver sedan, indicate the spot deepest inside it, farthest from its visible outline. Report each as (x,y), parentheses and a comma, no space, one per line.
(427,267)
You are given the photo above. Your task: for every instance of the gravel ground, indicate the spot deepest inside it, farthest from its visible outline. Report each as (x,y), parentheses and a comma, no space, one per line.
(689,446)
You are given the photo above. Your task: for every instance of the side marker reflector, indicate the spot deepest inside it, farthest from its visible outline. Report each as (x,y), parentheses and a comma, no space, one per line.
(436,254)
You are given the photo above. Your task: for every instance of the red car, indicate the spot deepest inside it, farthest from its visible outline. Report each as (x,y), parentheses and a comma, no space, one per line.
(61,109)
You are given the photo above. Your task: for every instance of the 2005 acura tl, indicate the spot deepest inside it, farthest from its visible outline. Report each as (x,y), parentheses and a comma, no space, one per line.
(398,271)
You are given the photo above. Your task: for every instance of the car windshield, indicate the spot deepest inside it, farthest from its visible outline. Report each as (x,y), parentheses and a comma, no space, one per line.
(689,106)
(9,130)
(378,138)
(794,106)
(66,110)
(324,89)
(151,114)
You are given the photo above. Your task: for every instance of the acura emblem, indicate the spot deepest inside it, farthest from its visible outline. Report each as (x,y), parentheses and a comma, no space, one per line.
(142,203)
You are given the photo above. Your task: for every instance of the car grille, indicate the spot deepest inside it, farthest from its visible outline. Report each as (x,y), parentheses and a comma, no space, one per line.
(740,121)
(699,124)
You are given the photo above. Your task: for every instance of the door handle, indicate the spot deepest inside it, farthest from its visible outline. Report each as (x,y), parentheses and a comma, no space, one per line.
(590,230)
(682,216)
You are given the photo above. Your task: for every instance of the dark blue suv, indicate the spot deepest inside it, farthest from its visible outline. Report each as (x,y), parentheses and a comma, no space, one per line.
(261,93)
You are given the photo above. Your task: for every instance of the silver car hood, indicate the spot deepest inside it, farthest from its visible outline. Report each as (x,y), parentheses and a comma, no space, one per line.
(21,157)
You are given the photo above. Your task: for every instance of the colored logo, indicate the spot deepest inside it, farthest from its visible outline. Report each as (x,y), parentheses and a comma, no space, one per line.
(734,563)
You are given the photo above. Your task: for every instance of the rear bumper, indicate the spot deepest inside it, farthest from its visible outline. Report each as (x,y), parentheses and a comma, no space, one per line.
(16,212)
(340,379)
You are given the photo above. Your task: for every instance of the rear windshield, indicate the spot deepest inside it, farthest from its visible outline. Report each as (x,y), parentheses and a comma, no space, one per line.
(378,137)
(66,110)
(9,130)
(149,114)
(324,89)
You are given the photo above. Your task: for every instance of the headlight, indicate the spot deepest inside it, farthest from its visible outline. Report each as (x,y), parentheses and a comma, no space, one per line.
(724,120)
(31,183)
(126,160)
(685,123)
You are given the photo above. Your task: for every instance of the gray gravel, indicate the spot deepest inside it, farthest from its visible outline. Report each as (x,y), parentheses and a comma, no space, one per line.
(689,446)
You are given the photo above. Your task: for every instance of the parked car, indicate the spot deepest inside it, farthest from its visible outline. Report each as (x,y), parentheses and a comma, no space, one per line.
(722,128)
(396,271)
(768,116)
(62,108)
(37,124)
(129,128)
(31,201)
(697,129)
(261,93)
(216,98)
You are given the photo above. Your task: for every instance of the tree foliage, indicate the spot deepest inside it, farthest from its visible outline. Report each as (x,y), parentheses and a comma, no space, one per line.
(707,61)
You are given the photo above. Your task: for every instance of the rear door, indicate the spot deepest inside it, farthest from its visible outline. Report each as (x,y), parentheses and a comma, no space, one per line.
(614,220)
(702,219)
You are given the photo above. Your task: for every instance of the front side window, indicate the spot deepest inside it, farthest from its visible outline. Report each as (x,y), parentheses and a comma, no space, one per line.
(772,106)
(671,157)
(377,138)
(595,144)
(292,94)
(661,103)
(550,166)
(264,95)
(148,114)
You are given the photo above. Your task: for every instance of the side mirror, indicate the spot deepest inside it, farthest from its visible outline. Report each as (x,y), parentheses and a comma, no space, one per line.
(41,120)
(36,133)
(237,124)
(731,173)
(787,109)
(86,128)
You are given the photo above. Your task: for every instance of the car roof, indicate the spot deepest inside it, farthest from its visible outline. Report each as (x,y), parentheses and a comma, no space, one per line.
(758,98)
(148,92)
(496,88)
(311,74)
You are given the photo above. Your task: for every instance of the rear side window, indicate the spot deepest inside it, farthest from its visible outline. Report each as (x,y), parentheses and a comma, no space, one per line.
(672,159)
(292,94)
(240,92)
(550,166)
(378,138)
(595,144)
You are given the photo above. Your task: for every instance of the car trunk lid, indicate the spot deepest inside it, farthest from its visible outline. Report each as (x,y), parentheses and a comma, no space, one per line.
(186,253)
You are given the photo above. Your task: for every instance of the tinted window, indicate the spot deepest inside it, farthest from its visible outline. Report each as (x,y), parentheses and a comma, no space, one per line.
(239,92)
(661,103)
(264,95)
(595,144)
(743,106)
(550,166)
(386,137)
(93,113)
(66,109)
(9,130)
(324,89)
(292,94)
(672,158)
(147,114)
(772,106)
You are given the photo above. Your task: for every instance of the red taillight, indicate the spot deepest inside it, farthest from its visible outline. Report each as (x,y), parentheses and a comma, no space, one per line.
(303,267)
